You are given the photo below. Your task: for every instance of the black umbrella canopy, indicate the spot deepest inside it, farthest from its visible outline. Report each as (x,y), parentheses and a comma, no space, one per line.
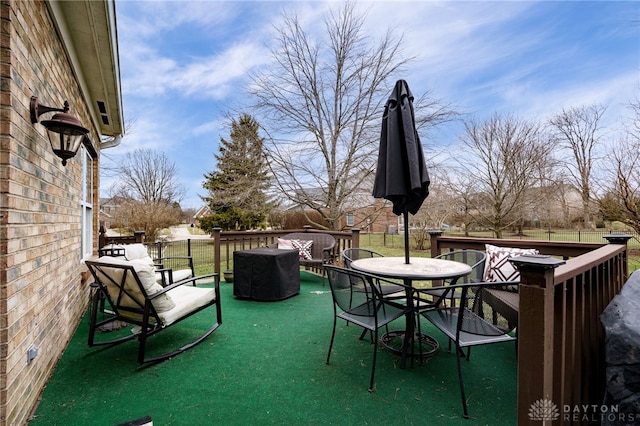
(401,176)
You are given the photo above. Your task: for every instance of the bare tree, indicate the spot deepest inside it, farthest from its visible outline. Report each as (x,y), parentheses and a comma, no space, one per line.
(622,200)
(150,192)
(435,212)
(322,101)
(504,162)
(148,176)
(577,129)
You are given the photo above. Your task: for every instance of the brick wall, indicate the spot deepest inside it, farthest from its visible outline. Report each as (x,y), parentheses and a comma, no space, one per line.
(42,296)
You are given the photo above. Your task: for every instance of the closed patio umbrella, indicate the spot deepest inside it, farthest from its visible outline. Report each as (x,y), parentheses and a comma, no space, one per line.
(401,176)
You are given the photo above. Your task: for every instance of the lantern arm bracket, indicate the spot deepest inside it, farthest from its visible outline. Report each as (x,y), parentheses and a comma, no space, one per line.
(36,109)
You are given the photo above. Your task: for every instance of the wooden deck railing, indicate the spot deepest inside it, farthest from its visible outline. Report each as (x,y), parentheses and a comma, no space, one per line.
(561,361)
(103,239)
(230,241)
(226,242)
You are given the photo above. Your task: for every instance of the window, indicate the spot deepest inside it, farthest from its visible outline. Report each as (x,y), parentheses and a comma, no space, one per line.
(86,204)
(350,219)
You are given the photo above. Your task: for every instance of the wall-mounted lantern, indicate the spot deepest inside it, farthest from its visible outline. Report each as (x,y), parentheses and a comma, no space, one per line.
(65,131)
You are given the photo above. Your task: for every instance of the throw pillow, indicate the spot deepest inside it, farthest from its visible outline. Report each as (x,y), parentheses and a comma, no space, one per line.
(135,251)
(285,244)
(304,248)
(498,267)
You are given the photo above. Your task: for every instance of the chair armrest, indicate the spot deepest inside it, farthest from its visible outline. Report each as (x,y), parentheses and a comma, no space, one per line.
(163,274)
(183,282)
(448,289)
(327,253)
(188,259)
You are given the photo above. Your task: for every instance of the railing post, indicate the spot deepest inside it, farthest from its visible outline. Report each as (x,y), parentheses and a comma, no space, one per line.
(355,237)
(102,237)
(138,236)
(216,251)
(435,246)
(535,332)
(621,239)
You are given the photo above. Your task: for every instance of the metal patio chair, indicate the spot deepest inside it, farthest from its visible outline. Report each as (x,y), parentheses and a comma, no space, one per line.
(467,325)
(358,300)
(133,296)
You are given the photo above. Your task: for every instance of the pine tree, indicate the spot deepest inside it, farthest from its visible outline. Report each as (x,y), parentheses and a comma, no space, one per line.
(237,190)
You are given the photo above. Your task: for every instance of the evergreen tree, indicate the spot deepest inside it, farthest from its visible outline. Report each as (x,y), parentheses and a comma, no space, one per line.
(237,190)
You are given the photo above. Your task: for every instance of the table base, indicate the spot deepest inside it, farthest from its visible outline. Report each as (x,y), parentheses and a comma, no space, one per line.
(394,341)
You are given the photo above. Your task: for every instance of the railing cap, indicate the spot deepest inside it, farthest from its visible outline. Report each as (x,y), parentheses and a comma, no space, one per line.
(618,238)
(536,261)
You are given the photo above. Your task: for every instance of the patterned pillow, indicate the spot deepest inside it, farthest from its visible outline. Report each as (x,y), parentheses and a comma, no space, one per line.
(498,267)
(304,248)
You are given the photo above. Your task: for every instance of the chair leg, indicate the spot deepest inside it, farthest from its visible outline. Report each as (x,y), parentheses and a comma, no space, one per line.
(373,365)
(333,335)
(462,395)
(142,344)
(93,316)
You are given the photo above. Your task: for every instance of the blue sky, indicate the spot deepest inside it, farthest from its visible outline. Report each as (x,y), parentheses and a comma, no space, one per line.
(185,64)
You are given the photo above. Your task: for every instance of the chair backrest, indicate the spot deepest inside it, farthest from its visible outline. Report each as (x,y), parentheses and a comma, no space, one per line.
(321,242)
(473,258)
(351,254)
(128,285)
(351,288)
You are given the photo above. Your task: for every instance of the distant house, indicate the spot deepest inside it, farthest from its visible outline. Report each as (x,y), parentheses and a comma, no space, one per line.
(109,210)
(55,51)
(202,212)
(370,215)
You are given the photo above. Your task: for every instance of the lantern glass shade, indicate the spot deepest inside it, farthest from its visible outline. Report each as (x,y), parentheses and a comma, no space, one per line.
(65,134)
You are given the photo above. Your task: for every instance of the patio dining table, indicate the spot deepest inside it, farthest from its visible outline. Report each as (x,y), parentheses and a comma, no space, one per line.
(418,269)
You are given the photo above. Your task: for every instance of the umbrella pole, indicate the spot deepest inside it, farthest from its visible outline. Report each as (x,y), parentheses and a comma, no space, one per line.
(406,237)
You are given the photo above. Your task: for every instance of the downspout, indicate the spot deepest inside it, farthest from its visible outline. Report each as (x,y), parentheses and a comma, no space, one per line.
(111,142)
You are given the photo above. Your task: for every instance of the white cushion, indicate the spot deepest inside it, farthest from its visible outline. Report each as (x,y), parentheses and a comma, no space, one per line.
(136,251)
(498,267)
(146,274)
(187,299)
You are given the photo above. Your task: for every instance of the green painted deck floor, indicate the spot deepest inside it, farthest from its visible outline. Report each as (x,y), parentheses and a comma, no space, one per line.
(266,365)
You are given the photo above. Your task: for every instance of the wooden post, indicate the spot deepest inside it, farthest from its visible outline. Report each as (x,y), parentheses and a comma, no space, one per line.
(216,252)
(435,246)
(355,237)
(138,236)
(621,239)
(102,237)
(535,332)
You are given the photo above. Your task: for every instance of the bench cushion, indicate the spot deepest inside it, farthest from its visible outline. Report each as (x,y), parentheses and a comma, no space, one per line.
(187,299)
(147,276)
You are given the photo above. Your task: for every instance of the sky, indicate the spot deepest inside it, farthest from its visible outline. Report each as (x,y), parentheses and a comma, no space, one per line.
(185,65)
